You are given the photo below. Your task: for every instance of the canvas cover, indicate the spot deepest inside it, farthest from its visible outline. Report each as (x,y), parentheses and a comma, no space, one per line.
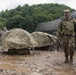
(17,39)
(43,39)
(53,37)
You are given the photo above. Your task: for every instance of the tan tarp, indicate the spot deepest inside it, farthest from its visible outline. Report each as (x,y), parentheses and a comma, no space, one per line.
(53,37)
(43,39)
(17,39)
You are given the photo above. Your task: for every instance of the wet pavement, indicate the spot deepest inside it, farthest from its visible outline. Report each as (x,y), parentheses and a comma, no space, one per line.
(40,63)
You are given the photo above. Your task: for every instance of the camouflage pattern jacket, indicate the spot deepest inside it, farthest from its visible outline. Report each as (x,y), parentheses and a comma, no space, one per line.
(66,27)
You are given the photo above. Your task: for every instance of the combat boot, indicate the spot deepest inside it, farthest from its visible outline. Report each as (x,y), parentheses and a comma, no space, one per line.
(66,60)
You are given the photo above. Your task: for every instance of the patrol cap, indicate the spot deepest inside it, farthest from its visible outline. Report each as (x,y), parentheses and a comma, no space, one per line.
(66,12)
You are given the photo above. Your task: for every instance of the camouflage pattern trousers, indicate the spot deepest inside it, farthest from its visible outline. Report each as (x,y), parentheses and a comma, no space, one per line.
(68,45)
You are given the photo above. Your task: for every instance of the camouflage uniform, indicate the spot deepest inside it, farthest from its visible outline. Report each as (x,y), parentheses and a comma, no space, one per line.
(66,33)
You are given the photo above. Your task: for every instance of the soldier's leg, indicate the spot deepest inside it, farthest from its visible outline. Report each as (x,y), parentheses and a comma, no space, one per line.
(66,55)
(71,50)
(66,52)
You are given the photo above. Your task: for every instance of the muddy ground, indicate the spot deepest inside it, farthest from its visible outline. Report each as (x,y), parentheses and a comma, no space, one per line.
(40,63)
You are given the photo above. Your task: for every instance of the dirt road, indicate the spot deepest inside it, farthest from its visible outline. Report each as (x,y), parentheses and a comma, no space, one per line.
(41,63)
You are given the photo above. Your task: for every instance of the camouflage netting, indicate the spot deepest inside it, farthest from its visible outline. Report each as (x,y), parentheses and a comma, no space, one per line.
(18,39)
(51,25)
(43,39)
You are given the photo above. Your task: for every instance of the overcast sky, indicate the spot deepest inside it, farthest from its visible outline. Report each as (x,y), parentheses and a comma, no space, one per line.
(9,4)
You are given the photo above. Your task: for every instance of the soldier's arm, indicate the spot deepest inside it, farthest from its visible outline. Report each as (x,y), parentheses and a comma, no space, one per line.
(74,22)
(59,35)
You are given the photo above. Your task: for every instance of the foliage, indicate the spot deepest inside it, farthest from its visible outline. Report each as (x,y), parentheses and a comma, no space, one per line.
(27,17)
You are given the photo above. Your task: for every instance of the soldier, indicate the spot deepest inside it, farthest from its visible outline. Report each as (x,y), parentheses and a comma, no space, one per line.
(5,30)
(66,34)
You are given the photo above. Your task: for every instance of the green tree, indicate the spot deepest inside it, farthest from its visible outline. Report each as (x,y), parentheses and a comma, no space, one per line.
(15,22)
(2,22)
